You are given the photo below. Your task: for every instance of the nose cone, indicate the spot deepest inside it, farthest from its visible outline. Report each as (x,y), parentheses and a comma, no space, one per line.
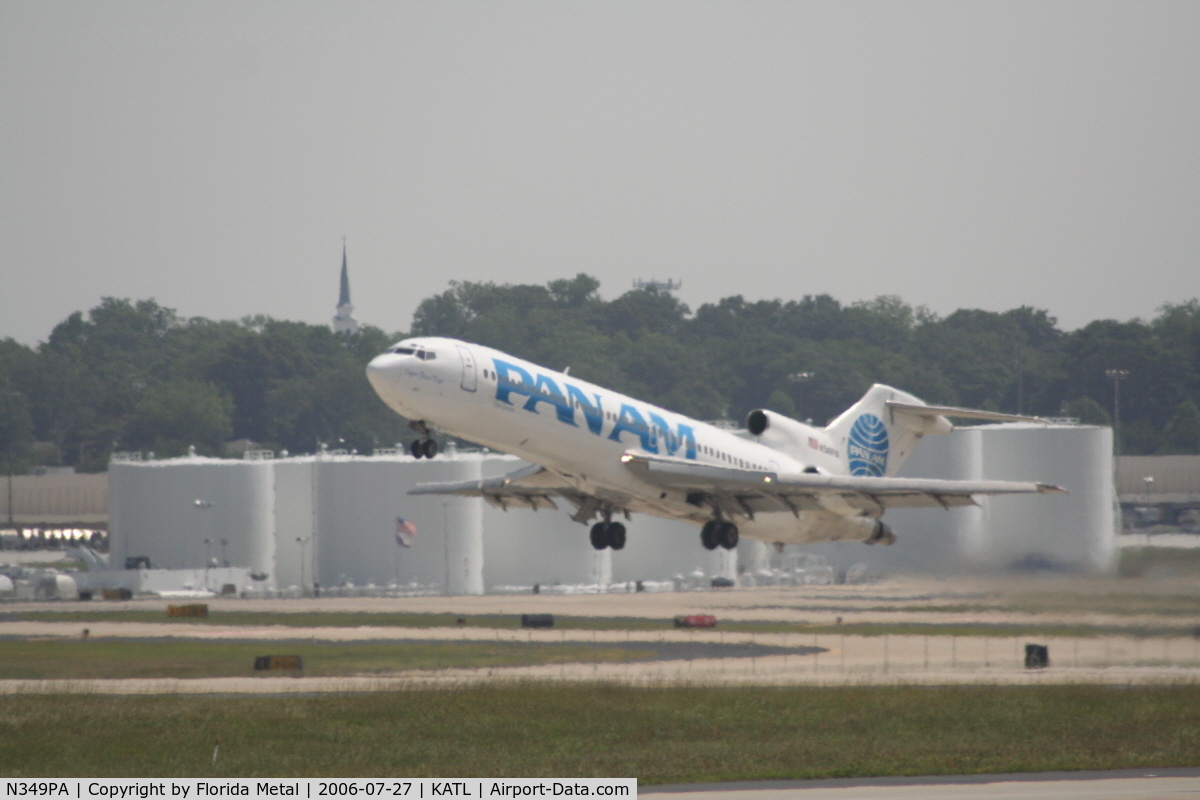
(384,374)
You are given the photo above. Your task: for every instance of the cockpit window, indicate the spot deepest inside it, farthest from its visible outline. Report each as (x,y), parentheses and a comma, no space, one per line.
(402,351)
(427,355)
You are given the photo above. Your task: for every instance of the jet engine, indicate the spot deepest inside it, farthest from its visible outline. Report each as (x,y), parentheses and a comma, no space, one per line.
(779,432)
(820,526)
(882,534)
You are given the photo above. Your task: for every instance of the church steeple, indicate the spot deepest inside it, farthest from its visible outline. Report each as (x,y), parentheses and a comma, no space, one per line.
(343,321)
(344,297)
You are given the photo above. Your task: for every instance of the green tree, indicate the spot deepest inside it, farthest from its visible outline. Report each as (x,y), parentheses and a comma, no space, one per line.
(1182,434)
(102,378)
(1088,411)
(575,292)
(780,402)
(170,416)
(16,428)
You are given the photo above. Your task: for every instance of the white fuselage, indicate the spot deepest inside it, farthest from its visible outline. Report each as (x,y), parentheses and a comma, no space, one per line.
(579,430)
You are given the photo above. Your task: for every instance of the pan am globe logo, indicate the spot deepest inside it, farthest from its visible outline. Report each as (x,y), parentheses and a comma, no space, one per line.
(868,446)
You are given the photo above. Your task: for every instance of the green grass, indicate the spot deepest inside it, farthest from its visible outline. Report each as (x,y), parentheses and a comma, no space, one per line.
(512,622)
(173,658)
(320,619)
(1158,562)
(658,735)
(1128,602)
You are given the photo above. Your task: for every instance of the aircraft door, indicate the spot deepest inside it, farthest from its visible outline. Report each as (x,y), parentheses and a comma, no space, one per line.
(469,378)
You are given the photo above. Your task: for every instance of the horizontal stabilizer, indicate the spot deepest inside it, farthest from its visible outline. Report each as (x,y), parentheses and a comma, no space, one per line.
(961,413)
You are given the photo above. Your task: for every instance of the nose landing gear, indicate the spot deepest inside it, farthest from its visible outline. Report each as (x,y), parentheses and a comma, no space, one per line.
(719,533)
(425,447)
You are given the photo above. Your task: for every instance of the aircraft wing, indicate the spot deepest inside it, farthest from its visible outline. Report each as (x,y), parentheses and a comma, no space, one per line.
(746,492)
(529,487)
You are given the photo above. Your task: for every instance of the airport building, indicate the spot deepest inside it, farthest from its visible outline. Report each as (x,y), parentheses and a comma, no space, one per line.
(1159,494)
(338,520)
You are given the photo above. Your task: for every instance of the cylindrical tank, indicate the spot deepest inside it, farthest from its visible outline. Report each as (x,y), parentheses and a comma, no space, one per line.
(356,502)
(184,513)
(464,535)
(964,462)
(1073,531)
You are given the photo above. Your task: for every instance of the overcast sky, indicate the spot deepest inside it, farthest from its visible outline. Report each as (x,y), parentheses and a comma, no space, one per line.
(212,155)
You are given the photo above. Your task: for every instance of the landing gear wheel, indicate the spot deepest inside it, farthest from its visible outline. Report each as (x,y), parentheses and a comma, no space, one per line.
(708,535)
(727,533)
(616,536)
(599,535)
(417,448)
(429,448)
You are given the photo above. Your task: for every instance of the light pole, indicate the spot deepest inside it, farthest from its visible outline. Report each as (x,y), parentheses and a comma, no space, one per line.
(1116,376)
(1150,517)
(207,546)
(302,541)
(11,465)
(204,505)
(1019,364)
(224,558)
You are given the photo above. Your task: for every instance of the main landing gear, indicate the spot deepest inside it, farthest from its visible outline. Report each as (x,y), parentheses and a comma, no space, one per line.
(425,447)
(608,534)
(719,533)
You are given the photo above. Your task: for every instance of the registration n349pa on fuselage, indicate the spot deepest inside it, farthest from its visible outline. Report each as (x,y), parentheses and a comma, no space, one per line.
(609,455)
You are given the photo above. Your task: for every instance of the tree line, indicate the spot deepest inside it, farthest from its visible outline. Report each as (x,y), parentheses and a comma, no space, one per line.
(135,376)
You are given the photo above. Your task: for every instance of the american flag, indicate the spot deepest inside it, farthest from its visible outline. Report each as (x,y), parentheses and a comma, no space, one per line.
(405,531)
(812,442)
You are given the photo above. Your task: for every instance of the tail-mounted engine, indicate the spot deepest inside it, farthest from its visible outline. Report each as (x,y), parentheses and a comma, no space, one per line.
(779,432)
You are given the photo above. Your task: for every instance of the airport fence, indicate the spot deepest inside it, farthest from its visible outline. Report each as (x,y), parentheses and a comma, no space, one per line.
(838,658)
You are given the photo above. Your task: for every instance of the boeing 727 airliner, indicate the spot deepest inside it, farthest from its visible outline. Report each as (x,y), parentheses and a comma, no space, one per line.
(608,455)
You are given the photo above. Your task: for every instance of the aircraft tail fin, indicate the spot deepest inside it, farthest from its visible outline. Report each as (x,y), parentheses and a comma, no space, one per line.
(880,431)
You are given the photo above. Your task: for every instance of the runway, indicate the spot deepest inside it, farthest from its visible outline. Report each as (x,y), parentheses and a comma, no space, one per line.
(1161,784)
